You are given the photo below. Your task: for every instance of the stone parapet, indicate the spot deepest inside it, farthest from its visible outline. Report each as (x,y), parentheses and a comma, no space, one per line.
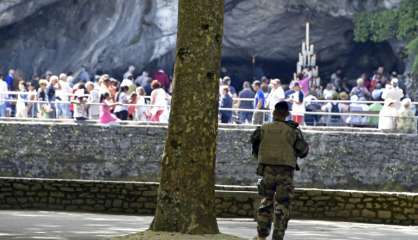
(231,202)
(339,158)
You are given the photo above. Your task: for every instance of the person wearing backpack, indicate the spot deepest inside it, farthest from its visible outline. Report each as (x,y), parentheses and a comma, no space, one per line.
(335,119)
(334,108)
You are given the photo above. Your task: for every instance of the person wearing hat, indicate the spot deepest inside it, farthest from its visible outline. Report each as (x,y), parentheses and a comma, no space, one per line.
(406,122)
(80,104)
(393,92)
(387,116)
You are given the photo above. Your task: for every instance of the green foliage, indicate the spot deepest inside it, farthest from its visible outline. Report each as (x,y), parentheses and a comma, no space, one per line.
(400,23)
(413,46)
(413,50)
(361,27)
(376,26)
(408,20)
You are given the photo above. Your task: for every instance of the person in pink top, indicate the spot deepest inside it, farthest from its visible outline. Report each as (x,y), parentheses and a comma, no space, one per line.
(106,116)
(304,83)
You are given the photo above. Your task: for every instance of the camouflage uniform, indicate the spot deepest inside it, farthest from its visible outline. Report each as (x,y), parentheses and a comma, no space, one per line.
(276,146)
(276,188)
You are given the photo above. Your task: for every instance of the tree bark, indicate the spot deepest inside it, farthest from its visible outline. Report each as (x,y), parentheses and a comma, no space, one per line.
(186,195)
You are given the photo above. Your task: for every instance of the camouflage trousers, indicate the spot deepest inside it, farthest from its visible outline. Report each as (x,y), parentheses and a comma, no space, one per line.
(276,189)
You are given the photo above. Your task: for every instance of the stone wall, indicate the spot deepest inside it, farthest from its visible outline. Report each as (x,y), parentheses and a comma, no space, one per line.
(231,201)
(342,159)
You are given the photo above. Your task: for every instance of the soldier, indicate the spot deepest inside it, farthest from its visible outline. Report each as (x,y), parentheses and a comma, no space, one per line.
(277,146)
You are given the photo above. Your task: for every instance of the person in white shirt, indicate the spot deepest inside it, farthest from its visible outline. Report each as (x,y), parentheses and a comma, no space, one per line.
(141,109)
(3,96)
(329,91)
(277,95)
(332,107)
(130,83)
(63,93)
(388,115)
(93,101)
(80,105)
(296,98)
(393,92)
(159,102)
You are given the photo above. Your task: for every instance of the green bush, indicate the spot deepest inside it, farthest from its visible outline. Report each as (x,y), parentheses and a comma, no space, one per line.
(400,23)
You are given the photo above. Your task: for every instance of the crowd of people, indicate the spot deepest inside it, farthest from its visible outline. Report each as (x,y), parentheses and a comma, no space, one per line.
(100,98)
(378,101)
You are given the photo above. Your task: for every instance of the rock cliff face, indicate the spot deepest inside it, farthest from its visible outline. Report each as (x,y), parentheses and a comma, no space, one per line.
(108,35)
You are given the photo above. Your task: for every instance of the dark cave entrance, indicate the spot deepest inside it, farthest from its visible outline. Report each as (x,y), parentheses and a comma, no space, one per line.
(361,58)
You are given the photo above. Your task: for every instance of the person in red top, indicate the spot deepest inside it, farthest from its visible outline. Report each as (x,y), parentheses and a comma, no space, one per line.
(163,78)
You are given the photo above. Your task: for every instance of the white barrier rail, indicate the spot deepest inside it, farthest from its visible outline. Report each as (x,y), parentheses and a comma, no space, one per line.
(322,116)
(236,110)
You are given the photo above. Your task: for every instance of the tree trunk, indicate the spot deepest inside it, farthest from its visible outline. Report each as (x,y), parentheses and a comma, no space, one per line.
(186,195)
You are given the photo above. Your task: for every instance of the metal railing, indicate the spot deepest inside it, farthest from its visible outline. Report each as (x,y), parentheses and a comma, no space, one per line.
(312,118)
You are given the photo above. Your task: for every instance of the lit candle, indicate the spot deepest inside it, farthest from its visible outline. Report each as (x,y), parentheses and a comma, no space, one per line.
(307,34)
(303,48)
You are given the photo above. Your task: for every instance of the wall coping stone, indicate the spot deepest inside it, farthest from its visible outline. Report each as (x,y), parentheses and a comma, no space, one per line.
(307,129)
(220,188)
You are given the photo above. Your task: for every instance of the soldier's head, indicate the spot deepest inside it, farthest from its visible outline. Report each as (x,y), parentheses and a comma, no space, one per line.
(281,111)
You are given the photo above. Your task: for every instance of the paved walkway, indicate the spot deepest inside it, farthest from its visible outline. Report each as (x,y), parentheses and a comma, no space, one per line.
(79,226)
